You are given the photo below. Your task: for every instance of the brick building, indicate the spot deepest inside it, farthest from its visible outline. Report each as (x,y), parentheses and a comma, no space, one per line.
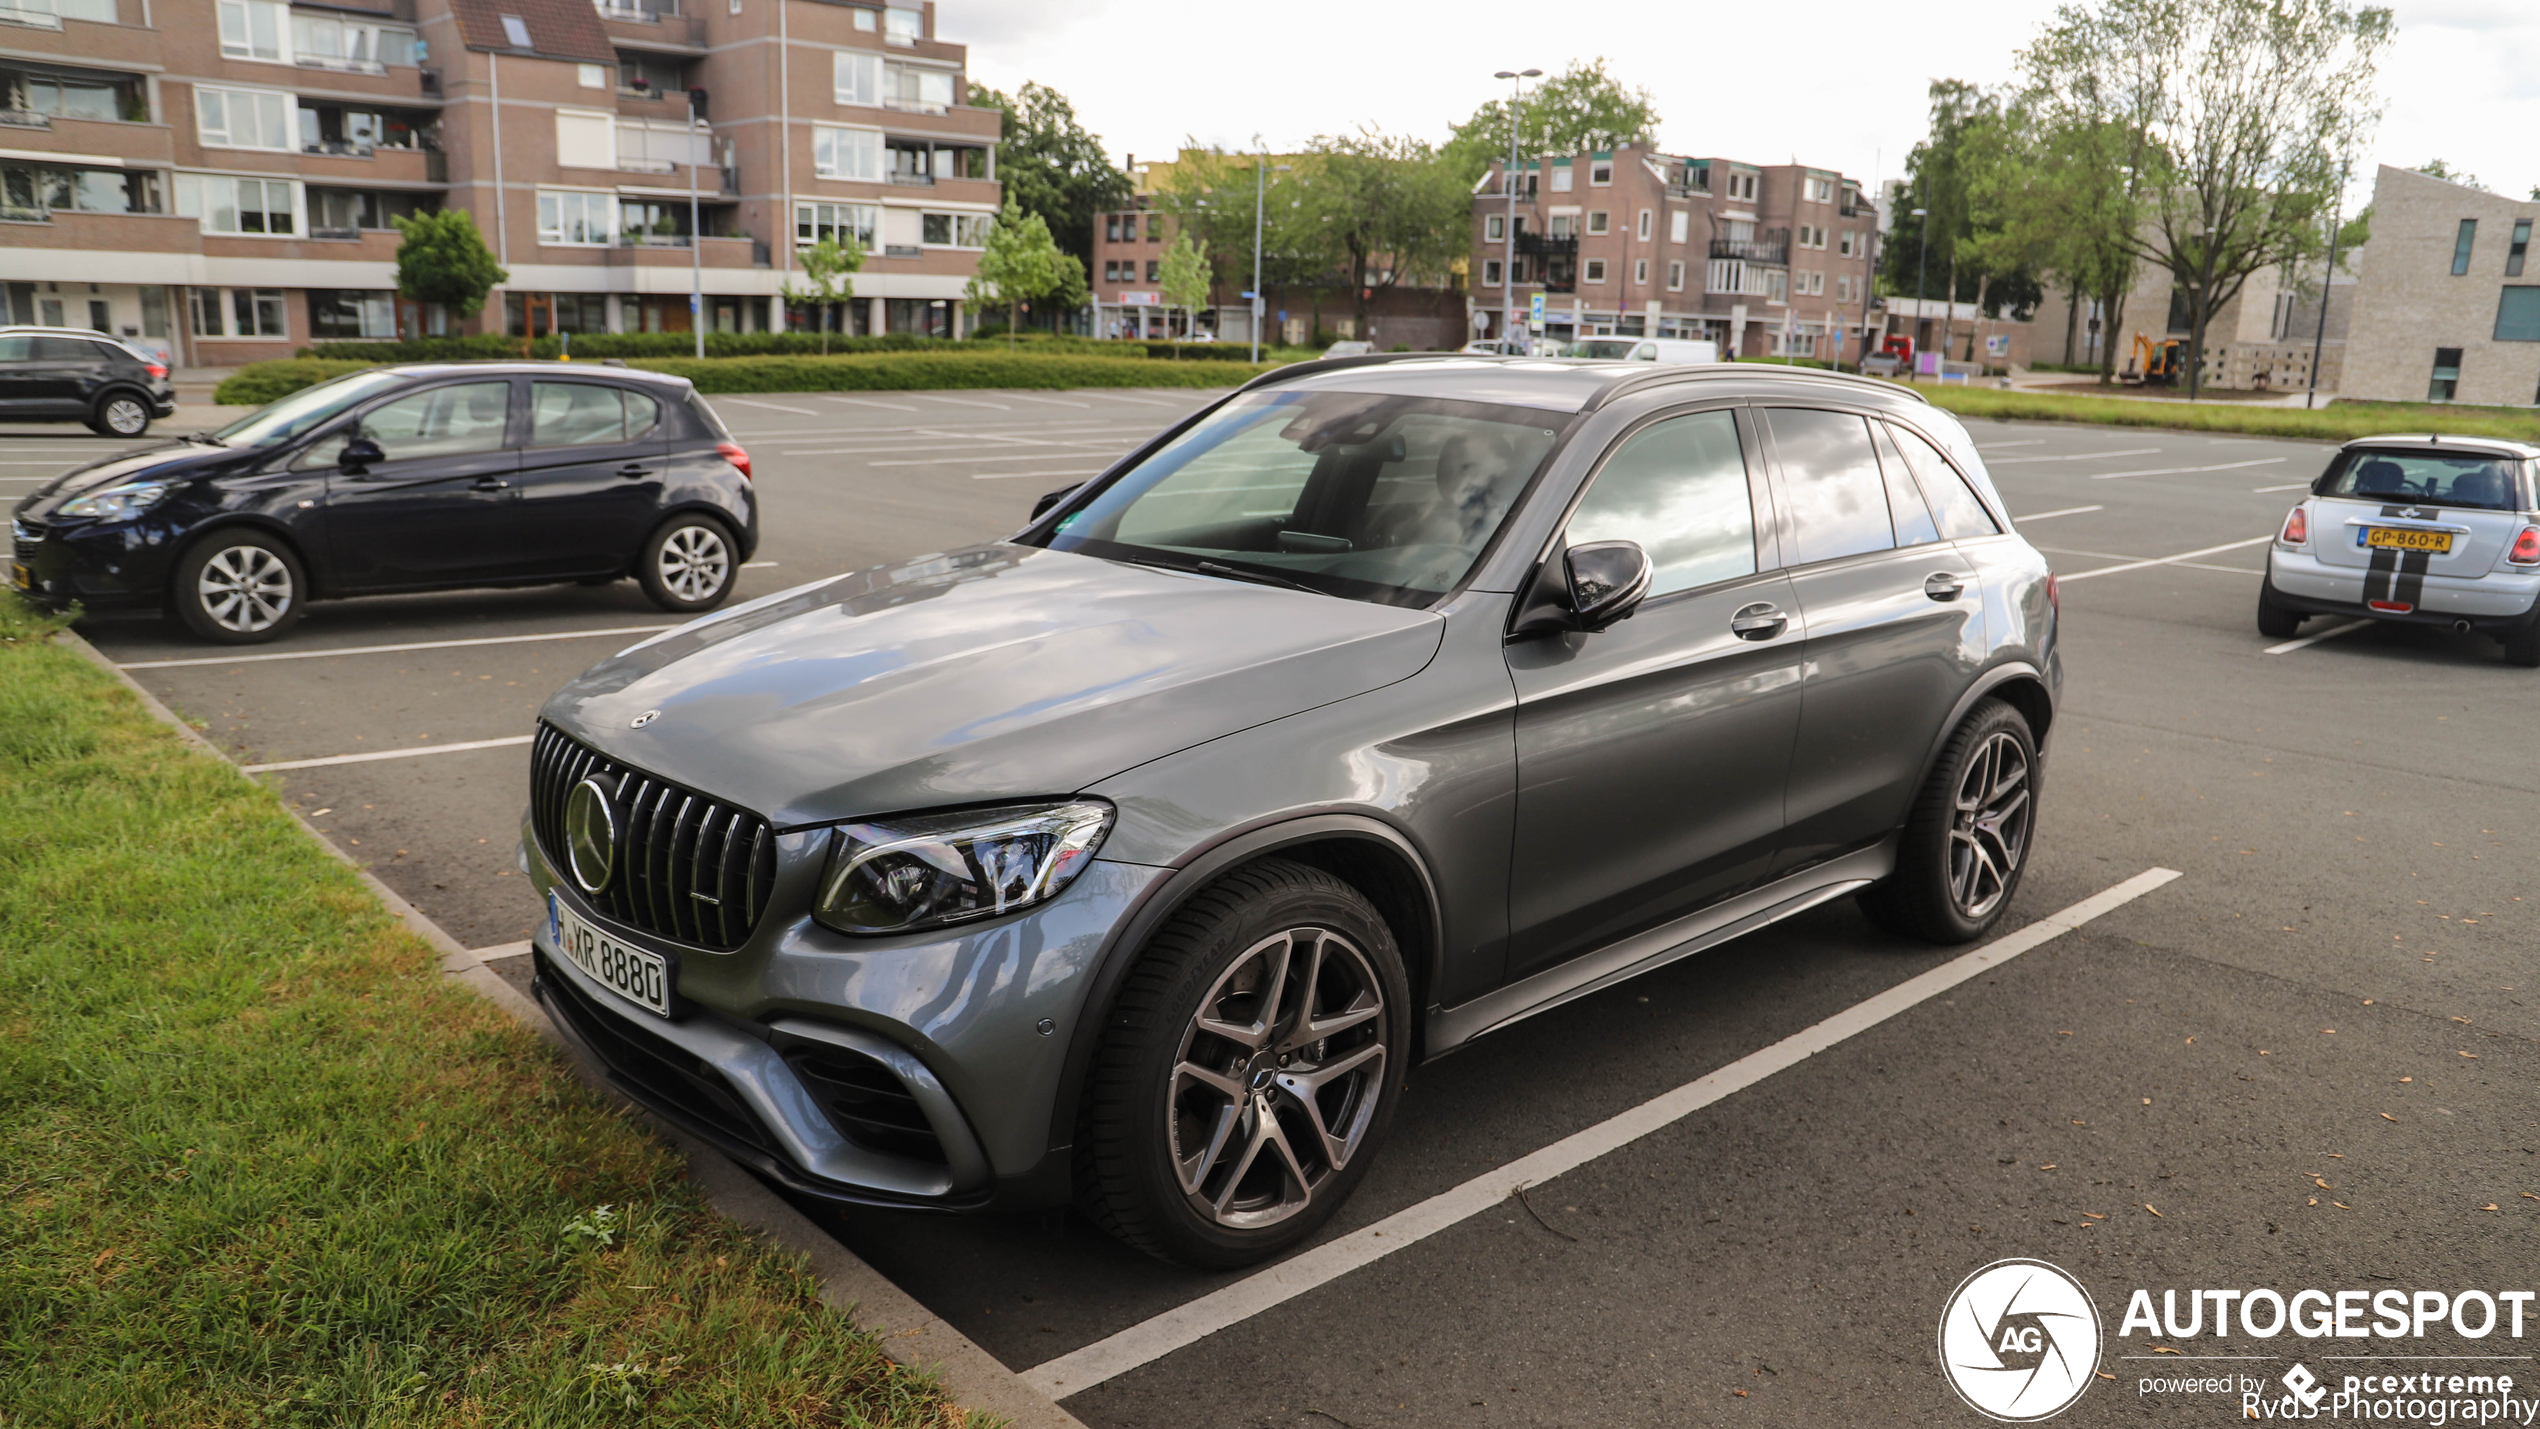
(1766,259)
(216,178)
(2447,297)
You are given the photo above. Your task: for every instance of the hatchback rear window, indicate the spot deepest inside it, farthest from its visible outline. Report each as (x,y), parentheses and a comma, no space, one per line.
(2423,478)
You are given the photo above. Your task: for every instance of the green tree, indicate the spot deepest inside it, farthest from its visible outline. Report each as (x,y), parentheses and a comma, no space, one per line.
(1185,280)
(1581,108)
(441,258)
(2248,115)
(828,269)
(1210,194)
(1378,211)
(1051,166)
(2437,169)
(1020,263)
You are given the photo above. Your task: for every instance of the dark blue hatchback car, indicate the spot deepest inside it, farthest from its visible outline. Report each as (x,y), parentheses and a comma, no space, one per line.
(427,477)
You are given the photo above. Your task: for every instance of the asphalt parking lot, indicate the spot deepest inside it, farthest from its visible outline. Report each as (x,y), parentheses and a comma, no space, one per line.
(2305,1061)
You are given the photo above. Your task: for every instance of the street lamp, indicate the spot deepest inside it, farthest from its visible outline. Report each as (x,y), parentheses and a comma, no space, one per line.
(696,235)
(1508,257)
(1922,266)
(1260,186)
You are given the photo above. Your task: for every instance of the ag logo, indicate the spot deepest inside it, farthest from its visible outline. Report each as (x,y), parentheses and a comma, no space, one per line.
(2305,1385)
(2019,1340)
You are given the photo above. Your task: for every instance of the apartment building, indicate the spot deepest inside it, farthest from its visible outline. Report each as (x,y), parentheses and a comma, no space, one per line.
(2447,297)
(216,179)
(1765,259)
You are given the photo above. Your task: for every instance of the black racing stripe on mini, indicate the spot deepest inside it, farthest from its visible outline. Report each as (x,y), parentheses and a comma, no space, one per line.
(2380,573)
(2411,583)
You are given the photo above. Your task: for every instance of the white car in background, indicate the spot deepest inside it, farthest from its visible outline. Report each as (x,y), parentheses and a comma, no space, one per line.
(1648,349)
(2419,530)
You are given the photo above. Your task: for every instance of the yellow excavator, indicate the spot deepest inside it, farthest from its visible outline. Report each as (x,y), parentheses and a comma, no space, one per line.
(2156,364)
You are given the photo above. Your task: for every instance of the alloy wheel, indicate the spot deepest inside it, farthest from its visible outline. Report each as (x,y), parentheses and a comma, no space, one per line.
(1989,824)
(694,563)
(245,589)
(126,417)
(1277,1078)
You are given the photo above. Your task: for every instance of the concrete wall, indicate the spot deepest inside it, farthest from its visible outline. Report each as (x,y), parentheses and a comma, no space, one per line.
(2409,303)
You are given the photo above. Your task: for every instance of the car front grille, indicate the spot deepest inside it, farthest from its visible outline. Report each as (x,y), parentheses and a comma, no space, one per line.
(687,866)
(26,535)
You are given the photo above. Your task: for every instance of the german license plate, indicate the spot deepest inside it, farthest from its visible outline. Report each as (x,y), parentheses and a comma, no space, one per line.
(641,977)
(21,576)
(2391,538)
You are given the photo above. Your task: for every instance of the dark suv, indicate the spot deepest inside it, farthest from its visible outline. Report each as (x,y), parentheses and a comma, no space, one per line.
(1138,857)
(404,479)
(57,374)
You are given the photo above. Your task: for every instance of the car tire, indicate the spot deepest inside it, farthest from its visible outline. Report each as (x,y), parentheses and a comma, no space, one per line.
(1967,840)
(1216,1143)
(2522,647)
(238,586)
(120,414)
(690,564)
(2276,622)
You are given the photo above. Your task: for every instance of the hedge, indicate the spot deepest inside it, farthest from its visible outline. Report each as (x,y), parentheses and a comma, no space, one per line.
(2343,421)
(756,344)
(969,366)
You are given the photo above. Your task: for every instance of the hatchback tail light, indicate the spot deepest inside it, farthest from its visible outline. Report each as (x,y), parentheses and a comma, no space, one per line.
(158,370)
(2297,527)
(731,452)
(2526,551)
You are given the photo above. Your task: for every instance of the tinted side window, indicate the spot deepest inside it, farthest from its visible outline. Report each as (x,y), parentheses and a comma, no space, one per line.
(1914,525)
(643,414)
(16,347)
(65,349)
(444,421)
(1830,474)
(1952,501)
(578,414)
(1679,488)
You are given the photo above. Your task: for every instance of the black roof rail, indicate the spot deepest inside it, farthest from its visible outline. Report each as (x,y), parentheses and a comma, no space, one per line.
(1707,372)
(1335,364)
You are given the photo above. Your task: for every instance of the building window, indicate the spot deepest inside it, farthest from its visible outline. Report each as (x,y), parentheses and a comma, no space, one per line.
(243,118)
(1561,178)
(2518,315)
(1596,221)
(863,19)
(227,204)
(1818,191)
(2520,246)
(816,221)
(856,77)
(1592,271)
(1155,270)
(846,153)
(29,192)
(1848,244)
(1491,273)
(1675,277)
(1599,175)
(70,96)
(334,42)
(917,90)
(955,230)
(1776,285)
(1495,228)
(1698,178)
(1842,289)
(1678,224)
(516,32)
(253,30)
(1648,218)
(2461,246)
(1564,225)
(2447,366)
(1742,186)
(204,306)
(339,312)
(258,312)
(1640,271)
(591,76)
(903,27)
(575,217)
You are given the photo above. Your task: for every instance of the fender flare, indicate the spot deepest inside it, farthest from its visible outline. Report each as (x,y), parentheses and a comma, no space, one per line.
(1165,897)
(1994,678)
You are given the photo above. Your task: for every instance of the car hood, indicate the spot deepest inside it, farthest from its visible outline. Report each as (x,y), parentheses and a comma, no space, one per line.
(988,673)
(173,461)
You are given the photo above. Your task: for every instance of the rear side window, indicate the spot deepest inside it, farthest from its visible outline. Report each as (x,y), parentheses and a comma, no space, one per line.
(706,417)
(581,414)
(1914,523)
(16,347)
(1953,503)
(1830,475)
(1678,487)
(2479,483)
(65,349)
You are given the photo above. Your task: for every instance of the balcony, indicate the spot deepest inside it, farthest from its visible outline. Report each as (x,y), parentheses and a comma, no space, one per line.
(918,181)
(1772,252)
(1547,245)
(24,119)
(338,64)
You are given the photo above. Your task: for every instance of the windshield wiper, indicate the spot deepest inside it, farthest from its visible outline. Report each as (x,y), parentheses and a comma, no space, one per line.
(1257,577)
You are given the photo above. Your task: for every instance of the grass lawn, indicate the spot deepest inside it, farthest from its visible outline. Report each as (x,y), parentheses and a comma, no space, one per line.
(260,1165)
(2341,421)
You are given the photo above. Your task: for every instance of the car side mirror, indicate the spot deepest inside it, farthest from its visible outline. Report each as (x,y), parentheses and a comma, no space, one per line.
(1042,507)
(1608,580)
(358,453)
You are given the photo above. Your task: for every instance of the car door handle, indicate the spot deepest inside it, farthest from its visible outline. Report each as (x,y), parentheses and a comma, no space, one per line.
(1760,621)
(634,469)
(1943,586)
(492,483)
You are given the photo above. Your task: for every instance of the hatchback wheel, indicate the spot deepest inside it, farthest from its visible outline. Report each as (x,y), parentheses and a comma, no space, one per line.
(239,587)
(1247,1071)
(1967,840)
(2276,622)
(689,564)
(120,414)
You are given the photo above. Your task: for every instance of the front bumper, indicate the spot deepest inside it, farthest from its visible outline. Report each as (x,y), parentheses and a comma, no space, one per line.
(102,565)
(908,1072)
(2495,603)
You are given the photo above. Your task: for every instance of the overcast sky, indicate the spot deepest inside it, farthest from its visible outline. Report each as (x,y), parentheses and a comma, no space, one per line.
(2462,83)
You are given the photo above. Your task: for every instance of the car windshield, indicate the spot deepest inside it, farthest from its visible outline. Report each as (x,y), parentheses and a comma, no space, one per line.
(2423,478)
(290,416)
(1606,347)
(1377,498)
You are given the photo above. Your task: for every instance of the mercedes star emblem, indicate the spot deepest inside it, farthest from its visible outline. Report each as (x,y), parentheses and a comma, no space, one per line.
(641,720)
(590,834)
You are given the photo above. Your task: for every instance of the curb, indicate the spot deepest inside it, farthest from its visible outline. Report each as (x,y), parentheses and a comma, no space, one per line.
(910,1334)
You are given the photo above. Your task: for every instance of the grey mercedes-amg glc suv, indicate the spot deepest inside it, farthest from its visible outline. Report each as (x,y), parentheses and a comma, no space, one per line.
(1134,859)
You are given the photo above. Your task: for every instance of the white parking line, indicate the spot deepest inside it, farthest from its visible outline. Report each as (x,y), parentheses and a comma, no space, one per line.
(2004,446)
(2288,486)
(500,951)
(396,649)
(381,754)
(2185,470)
(1053,401)
(967,457)
(1187,1324)
(2331,633)
(2078,456)
(966,402)
(2163,560)
(876,402)
(1027,475)
(756,565)
(2066,511)
(1148,401)
(771,406)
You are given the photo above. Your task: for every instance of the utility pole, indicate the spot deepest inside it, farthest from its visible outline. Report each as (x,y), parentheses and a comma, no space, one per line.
(1922,268)
(1508,182)
(2319,339)
(696,235)
(1261,168)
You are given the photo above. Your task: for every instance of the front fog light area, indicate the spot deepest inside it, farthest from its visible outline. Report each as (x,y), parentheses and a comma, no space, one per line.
(930,870)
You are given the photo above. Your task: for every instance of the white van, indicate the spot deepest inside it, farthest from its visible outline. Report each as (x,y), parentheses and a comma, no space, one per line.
(1648,349)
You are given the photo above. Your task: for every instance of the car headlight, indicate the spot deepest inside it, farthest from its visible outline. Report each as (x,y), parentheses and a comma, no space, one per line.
(130,499)
(930,870)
